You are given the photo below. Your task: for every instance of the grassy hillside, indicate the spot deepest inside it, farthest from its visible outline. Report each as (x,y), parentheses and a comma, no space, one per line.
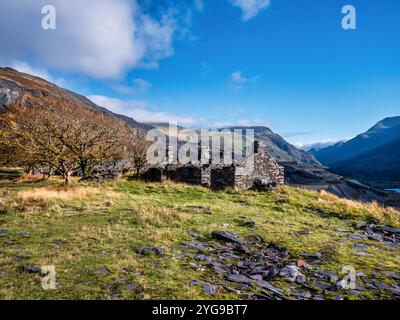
(88,233)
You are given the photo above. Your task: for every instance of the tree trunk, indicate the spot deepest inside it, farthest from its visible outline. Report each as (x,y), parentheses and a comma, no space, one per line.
(83,166)
(66,178)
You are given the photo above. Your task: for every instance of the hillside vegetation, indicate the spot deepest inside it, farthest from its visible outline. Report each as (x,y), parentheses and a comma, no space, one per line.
(91,234)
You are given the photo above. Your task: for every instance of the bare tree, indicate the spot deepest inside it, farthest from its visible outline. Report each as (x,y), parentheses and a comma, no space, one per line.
(137,149)
(59,134)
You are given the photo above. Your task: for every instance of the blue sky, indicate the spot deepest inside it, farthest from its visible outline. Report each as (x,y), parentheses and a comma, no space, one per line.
(287,64)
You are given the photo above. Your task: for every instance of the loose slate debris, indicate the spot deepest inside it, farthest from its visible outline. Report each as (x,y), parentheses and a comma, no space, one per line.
(249,267)
(226,236)
(238,278)
(209,289)
(130,287)
(31,269)
(149,250)
(24,234)
(102,271)
(311,255)
(392,274)
(3,232)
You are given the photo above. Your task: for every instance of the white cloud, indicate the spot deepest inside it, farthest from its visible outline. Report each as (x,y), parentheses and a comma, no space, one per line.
(318,144)
(238,81)
(99,38)
(140,111)
(251,8)
(238,123)
(139,86)
(38,72)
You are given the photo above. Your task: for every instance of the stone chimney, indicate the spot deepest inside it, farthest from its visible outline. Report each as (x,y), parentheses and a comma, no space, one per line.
(260,147)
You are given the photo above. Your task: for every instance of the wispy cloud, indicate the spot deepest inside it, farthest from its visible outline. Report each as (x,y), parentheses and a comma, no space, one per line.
(293,134)
(318,144)
(206,69)
(38,72)
(143,111)
(238,123)
(139,86)
(237,80)
(251,8)
(140,110)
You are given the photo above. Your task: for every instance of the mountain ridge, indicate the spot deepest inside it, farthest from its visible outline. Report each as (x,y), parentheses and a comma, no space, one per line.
(370,156)
(14,83)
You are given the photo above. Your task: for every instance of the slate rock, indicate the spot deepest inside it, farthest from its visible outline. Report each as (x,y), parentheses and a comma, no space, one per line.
(202,257)
(359,247)
(195,235)
(226,236)
(31,269)
(356,236)
(149,250)
(271,273)
(248,223)
(120,280)
(130,286)
(229,289)
(257,277)
(290,272)
(197,245)
(301,278)
(241,249)
(311,255)
(390,229)
(24,234)
(102,271)
(209,289)
(361,253)
(217,267)
(392,274)
(395,291)
(3,232)
(342,230)
(305,295)
(238,278)
(270,287)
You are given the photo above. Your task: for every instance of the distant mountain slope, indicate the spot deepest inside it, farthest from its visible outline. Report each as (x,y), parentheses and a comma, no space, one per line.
(279,148)
(14,83)
(371,156)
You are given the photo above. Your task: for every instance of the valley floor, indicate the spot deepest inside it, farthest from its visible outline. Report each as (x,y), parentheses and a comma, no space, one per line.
(131,240)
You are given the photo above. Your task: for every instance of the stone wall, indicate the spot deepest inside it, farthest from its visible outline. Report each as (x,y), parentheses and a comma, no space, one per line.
(222,178)
(258,171)
(189,174)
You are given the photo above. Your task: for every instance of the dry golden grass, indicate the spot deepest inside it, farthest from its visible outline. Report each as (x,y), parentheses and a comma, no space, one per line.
(371,210)
(30,178)
(54,195)
(45,197)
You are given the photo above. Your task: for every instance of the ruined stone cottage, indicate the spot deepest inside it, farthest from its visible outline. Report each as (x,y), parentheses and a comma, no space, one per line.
(259,171)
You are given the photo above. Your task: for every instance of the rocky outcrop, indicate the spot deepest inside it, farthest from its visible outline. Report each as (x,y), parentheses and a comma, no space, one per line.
(9,92)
